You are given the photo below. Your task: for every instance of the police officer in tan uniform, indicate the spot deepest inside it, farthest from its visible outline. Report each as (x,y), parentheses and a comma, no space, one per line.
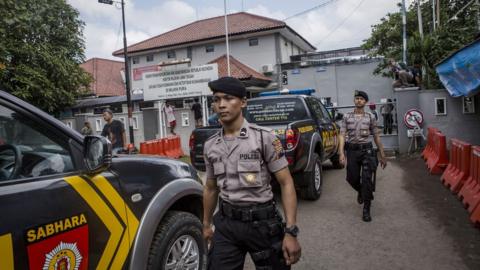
(356,128)
(239,162)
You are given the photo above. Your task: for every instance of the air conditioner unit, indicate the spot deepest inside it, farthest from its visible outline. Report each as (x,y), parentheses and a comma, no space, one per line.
(268,68)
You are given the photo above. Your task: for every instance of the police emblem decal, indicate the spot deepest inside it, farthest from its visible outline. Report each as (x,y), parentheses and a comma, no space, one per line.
(251,178)
(65,256)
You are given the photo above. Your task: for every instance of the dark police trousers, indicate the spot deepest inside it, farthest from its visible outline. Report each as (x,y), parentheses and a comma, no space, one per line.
(360,168)
(238,230)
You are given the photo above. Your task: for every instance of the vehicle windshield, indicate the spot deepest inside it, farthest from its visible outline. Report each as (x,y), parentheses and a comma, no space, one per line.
(275,111)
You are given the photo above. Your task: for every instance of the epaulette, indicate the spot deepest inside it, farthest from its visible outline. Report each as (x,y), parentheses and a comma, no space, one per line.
(257,127)
(213,136)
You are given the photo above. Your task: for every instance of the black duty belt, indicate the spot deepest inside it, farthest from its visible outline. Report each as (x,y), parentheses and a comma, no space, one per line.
(248,213)
(358,146)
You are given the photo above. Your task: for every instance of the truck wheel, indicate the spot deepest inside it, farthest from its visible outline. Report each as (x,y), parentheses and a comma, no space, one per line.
(336,162)
(178,243)
(314,181)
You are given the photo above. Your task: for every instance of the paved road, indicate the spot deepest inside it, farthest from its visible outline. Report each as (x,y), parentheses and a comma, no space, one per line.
(417,224)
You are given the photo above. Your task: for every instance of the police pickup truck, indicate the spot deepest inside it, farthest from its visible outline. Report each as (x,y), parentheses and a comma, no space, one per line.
(307,132)
(65,203)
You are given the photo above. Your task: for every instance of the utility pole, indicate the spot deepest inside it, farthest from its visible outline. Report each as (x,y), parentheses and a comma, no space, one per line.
(226,36)
(478,14)
(127,72)
(420,22)
(404,23)
(127,79)
(438,12)
(434,16)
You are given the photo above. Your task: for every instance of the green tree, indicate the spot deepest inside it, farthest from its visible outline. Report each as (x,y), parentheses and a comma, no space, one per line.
(452,34)
(41,47)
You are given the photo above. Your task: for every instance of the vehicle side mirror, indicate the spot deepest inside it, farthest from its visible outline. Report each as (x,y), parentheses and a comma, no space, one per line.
(97,154)
(338,116)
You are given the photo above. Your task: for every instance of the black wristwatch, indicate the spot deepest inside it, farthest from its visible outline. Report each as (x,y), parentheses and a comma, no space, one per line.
(293,230)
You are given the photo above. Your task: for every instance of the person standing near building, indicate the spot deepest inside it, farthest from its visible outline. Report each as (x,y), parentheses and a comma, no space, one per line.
(373,110)
(197,113)
(87,129)
(356,128)
(386,112)
(172,123)
(239,161)
(115,132)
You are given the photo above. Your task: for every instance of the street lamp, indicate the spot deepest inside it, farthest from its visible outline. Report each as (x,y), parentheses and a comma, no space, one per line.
(127,73)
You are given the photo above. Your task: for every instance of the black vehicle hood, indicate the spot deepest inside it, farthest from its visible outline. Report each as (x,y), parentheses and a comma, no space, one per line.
(152,168)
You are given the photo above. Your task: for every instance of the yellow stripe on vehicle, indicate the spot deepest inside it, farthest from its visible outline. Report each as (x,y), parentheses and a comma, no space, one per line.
(305,129)
(104,213)
(6,252)
(125,214)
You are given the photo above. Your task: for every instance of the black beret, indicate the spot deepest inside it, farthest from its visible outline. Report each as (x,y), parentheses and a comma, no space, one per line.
(228,85)
(359,93)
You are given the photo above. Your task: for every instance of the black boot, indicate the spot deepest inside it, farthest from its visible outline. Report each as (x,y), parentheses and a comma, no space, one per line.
(359,198)
(366,212)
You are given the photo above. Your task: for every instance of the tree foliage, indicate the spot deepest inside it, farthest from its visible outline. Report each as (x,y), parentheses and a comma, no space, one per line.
(41,47)
(452,34)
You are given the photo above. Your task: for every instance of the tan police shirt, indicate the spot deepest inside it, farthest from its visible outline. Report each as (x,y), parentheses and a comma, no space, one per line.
(358,127)
(242,168)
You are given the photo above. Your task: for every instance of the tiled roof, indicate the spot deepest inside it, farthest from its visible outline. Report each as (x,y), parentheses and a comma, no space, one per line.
(106,75)
(237,69)
(238,23)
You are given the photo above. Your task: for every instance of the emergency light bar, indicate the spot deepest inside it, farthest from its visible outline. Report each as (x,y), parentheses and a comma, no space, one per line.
(307,92)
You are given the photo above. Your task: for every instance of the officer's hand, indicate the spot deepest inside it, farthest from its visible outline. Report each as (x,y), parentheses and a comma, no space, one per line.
(342,159)
(291,249)
(207,234)
(383,162)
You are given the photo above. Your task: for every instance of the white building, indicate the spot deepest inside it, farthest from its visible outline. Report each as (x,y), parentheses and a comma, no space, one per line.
(260,43)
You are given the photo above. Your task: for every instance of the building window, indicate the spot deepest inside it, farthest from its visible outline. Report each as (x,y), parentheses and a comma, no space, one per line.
(468,105)
(150,58)
(253,42)
(135,60)
(441,106)
(171,54)
(69,124)
(209,48)
(98,125)
(135,122)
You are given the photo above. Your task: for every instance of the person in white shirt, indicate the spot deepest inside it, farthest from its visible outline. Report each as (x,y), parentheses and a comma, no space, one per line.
(170,117)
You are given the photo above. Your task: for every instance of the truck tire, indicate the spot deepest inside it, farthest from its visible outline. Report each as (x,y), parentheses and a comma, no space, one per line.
(336,162)
(314,180)
(178,243)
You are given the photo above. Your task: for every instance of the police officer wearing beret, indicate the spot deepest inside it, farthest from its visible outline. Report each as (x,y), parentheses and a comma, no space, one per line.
(239,162)
(356,128)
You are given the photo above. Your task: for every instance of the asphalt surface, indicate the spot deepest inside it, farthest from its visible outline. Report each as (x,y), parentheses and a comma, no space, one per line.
(417,224)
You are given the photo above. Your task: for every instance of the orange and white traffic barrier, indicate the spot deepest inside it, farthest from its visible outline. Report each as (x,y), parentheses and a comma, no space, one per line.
(457,170)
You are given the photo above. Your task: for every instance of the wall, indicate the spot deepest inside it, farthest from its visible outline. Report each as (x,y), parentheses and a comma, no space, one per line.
(406,100)
(157,57)
(253,56)
(339,81)
(455,124)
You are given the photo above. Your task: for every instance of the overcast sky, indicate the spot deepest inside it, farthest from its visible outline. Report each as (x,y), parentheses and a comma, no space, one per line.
(338,24)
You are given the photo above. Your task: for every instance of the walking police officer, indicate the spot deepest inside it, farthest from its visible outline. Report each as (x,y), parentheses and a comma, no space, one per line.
(239,161)
(356,128)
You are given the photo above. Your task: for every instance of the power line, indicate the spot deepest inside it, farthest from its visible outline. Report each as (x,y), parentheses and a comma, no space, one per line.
(342,22)
(311,9)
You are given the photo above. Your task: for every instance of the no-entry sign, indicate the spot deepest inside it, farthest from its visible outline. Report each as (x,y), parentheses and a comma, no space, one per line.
(413,118)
